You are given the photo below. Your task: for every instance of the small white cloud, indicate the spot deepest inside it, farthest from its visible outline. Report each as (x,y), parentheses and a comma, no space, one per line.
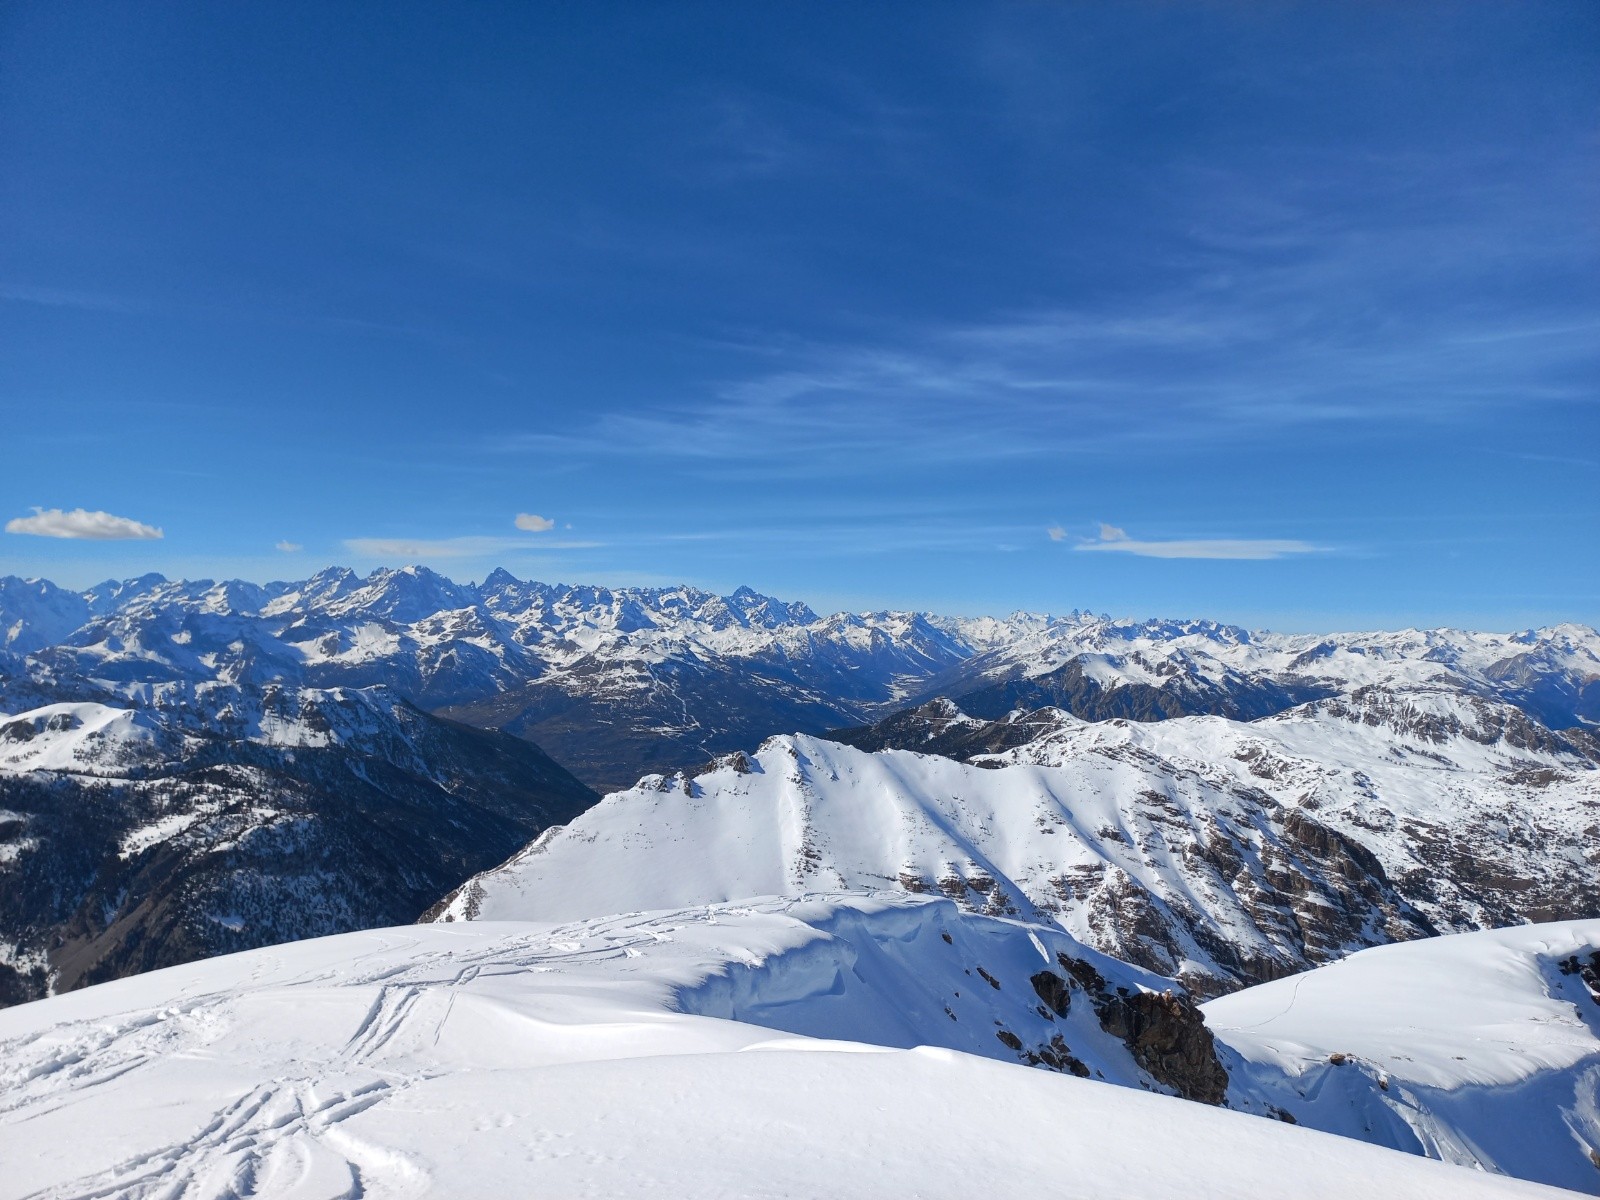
(289,547)
(1057,534)
(80,523)
(534,523)
(1114,539)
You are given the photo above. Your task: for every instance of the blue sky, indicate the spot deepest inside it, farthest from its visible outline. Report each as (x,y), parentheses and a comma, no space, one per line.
(1279,313)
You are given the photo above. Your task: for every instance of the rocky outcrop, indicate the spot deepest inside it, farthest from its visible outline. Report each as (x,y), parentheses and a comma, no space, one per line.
(1587,968)
(1164,1031)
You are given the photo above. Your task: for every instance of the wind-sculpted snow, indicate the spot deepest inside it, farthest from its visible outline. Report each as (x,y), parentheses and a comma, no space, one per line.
(1481,1049)
(496,1059)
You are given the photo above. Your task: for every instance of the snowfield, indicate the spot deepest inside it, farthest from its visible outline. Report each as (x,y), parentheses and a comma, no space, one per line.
(1481,1049)
(640,1055)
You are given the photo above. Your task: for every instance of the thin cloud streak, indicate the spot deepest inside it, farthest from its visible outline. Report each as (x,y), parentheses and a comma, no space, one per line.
(1248,549)
(1290,302)
(1057,383)
(455,547)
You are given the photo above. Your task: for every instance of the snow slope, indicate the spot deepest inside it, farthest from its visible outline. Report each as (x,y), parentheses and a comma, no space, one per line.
(1481,1048)
(495,1059)
(1476,817)
(1216,851)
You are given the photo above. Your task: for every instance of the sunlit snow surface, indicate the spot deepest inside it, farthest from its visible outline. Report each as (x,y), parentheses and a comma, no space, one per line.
(511,1059)
(1476,1048)
(1063,828)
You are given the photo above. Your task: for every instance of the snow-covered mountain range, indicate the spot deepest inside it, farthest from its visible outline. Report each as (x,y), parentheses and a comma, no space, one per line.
(1022,842)
(612,682)
(1217,851)
(616,683)
(1301,797)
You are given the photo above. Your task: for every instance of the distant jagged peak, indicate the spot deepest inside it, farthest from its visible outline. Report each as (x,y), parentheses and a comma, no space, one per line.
(406,594)
(497,579)
(107,595)
(760,609)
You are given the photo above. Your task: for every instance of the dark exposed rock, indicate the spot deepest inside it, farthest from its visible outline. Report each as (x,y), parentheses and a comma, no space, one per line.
(1587,968)
(1053,990)
(1058,1056)
(940,727)
(1165,1032)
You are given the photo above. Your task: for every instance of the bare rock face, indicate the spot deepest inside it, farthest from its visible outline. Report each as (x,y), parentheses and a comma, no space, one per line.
(1169,1039)
(1165,1032)
(1053,991)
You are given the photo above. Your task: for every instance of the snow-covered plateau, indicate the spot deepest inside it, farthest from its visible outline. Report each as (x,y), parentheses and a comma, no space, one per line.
(776,1048)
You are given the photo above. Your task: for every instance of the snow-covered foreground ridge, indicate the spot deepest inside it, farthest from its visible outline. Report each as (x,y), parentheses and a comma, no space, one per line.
(1481,1049)
(732,1051)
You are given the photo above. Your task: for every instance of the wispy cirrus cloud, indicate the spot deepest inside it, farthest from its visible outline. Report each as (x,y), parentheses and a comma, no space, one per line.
(55,297)
(1116,540)
(83,525)
(1279,300)
(287,547)
(1189,370)
(454,547)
